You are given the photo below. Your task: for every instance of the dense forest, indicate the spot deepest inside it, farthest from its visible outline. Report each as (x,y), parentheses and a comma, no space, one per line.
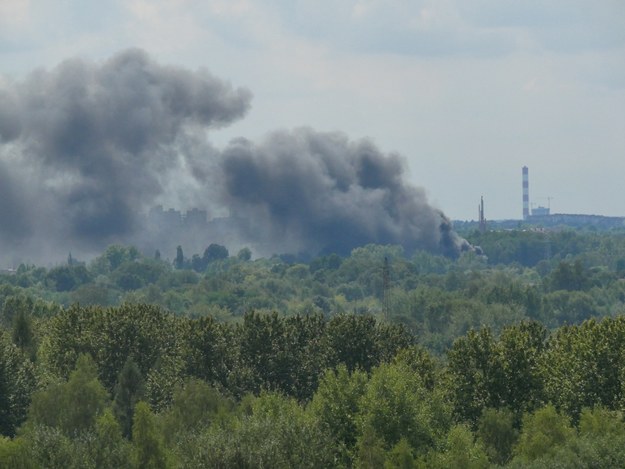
(378,359)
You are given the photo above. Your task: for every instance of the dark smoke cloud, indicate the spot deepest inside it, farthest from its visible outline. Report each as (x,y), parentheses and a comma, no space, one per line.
(9,118)
(14,225)
(86,148)
(97,140)
(321,192)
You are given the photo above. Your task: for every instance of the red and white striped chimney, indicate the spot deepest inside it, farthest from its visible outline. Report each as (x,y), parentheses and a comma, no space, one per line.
(526,194)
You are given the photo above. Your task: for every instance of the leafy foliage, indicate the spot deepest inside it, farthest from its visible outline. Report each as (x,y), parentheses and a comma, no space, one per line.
(293,362)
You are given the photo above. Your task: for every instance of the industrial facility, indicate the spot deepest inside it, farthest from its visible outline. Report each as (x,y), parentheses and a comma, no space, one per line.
(540,216)
(535,211)
(543,216)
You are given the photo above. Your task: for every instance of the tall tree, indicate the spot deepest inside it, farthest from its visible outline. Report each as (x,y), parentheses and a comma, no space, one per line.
(72,406)
(214,252)
(17,383)
(110,450)
(396,405)
(128,391)
(179,260)
(149,448)
(476,374)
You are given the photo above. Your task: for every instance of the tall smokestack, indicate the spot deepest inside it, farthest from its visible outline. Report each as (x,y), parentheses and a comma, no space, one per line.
(526,194)
(481,216)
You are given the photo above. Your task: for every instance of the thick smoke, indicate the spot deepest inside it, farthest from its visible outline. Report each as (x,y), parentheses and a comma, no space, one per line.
(90,146)
(87,148)
(321,192)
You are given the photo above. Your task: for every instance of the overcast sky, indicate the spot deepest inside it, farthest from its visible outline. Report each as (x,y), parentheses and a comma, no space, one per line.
(466,91)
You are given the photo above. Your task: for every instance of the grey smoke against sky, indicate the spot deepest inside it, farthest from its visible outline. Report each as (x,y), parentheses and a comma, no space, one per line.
(322,192)
(469,91)
(86,148)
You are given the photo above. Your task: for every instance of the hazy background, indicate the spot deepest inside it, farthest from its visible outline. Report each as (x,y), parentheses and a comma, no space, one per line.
(462,93)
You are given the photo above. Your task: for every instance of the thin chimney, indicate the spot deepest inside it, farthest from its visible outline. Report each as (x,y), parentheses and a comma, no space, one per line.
(526,194)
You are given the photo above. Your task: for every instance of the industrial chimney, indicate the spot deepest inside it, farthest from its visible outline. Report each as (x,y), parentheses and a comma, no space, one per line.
(526,194)
(482,222)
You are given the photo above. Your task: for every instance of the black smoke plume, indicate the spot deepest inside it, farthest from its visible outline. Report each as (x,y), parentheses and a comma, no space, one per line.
(321,192)
(87,148)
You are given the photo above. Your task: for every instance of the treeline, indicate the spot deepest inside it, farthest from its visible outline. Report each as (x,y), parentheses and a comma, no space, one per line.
(224,361)
(534,247)
(135,386)
(436,298)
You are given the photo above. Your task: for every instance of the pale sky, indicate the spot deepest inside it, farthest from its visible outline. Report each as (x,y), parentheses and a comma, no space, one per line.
(467,91)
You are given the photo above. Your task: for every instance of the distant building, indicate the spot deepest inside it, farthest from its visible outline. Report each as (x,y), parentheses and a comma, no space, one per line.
(165,218)
(540,211)
(195,217)
(167,228)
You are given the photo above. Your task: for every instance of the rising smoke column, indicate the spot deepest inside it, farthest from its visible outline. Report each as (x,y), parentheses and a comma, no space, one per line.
(317,192)
(86,147)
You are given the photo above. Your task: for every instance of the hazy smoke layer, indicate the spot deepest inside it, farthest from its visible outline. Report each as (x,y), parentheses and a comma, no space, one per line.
(86,149)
